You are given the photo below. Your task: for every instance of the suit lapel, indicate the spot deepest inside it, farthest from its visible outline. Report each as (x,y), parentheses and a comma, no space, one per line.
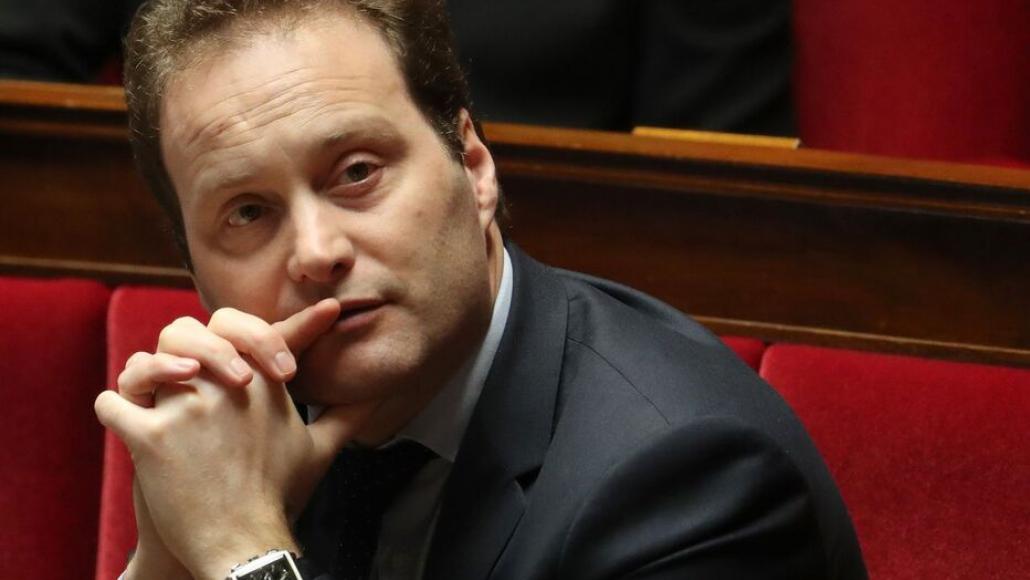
(509,431)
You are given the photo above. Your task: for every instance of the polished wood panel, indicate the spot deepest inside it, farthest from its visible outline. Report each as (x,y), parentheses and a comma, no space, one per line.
(810,246)
(712,137)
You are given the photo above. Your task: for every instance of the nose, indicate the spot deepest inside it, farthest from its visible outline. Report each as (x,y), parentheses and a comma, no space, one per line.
(322,250)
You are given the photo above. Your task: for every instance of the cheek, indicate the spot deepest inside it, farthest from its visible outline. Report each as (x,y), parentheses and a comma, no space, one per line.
(247,287)
(413,227)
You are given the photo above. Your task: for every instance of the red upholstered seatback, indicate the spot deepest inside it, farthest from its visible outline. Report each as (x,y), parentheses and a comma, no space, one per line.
(938,79)
(932,457)
(136,316)
(51,364)
(748,349)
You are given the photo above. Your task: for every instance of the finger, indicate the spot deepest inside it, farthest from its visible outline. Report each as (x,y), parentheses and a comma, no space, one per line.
(336,426)
(120,416)
(138,381)
(253,336)
(168,391)
(329,433)
(188,338)
(301,329)
(136,357)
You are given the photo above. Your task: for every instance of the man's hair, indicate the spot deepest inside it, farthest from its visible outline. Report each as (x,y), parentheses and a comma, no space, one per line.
(171,35)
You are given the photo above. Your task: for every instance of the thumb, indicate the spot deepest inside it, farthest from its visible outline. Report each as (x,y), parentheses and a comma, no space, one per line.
(301,329)
(329,433)
(119,415)
(335,427)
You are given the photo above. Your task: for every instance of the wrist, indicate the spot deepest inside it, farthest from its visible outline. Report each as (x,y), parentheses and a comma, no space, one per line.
(239,548)
(275,564)
(154,564)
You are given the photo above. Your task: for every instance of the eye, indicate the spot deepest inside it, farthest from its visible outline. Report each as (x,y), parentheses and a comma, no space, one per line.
(358,172)
(245,214)
(357,175)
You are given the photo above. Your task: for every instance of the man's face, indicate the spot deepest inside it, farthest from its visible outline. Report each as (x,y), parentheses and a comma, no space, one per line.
(305,171)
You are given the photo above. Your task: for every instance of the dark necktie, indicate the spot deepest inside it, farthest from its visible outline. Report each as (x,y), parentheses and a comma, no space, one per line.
(361,485)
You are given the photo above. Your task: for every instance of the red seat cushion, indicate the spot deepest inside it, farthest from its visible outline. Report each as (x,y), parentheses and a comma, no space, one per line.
(932,457)
(51,361)
(136,317)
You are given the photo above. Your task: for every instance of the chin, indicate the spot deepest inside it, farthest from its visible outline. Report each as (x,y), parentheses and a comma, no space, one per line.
(355,375)
(328,394)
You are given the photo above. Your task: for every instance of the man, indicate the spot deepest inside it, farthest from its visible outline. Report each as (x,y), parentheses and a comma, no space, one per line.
(322,169)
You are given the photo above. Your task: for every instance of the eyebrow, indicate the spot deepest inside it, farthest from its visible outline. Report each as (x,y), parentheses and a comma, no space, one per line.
(368,128)
(374,129)
(228,176)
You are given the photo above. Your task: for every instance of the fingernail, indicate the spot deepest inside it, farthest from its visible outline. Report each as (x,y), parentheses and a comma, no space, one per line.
(285,362)
(184,366)
(240,367)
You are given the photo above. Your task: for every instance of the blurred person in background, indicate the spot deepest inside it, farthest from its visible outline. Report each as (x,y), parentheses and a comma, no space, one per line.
(599,64)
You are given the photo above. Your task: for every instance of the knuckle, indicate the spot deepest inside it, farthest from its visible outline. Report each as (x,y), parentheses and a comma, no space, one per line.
(185,322)
(221,348)
(196,408)
(174,330)
(123,381)
(165,335)
(268,341)
(100,405)
(222,316)
(155,432)
(132,382)
(108,411)
(136,358)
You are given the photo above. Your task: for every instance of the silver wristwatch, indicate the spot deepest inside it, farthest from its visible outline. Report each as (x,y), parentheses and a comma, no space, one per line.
(275,565)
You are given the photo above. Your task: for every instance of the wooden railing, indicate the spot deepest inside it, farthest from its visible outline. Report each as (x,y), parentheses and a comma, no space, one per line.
(800,245)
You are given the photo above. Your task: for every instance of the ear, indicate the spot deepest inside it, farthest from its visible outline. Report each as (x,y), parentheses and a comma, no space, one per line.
(479,169)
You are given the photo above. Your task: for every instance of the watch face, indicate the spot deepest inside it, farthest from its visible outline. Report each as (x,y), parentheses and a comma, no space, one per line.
(275,571)
(274,566)
(279,570)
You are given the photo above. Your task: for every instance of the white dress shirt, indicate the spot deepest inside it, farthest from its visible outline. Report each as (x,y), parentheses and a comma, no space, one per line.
(407,527)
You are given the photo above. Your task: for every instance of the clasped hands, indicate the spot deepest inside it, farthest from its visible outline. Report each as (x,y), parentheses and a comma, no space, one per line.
(223,462)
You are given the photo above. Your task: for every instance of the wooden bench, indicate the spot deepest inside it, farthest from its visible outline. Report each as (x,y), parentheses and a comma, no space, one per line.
(809,246)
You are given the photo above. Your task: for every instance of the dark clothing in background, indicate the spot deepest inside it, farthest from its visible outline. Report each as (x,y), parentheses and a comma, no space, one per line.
(61,40)
(718,65)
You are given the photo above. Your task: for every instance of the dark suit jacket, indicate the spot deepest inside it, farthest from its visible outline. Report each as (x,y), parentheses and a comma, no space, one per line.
(615,437)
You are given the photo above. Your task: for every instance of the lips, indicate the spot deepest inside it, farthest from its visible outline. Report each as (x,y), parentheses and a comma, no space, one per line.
(354,306)
(355,311)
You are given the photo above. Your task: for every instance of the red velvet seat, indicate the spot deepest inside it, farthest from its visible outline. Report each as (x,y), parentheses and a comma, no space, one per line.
(51,361)
(914,78)
(932,457)
(136,316)
(748,349)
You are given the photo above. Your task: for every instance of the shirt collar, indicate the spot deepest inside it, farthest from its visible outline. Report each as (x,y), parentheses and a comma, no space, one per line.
(441,425)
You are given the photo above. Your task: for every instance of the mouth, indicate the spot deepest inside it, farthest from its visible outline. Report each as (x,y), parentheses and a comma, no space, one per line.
(355,314)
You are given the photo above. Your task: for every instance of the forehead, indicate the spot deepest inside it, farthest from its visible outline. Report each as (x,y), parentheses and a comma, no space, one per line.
(273,72)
